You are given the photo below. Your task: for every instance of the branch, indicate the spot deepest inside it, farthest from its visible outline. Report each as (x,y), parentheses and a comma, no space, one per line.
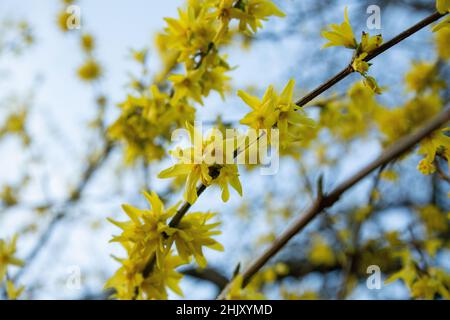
(349,69)
(327,200)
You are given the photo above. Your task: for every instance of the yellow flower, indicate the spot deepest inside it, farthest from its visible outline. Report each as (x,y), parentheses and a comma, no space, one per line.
(165,276)
(264,114)
(253,12)
(426,167)
(442,39)
(187,85)
(87,43)
(140,56)
(443,6)
(359,65)
(236,291)
(368,43)
(422,76)
(89,71)
(7,256)
(190,33)
(129,283)
(276,110)
(198,164)
(147,230)
(340,35)
(371,83)
(437,143)
(321,253)
(63,17)
(434,219)
(193,233)
(12,292)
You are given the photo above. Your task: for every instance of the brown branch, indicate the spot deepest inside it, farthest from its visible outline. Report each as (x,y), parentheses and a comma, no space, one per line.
(326,200)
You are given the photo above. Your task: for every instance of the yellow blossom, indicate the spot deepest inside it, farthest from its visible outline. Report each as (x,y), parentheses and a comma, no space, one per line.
(147,229)
(254,12)
(442,40)
(443,6)
(7,256)
(87,42)
(275,110)
(197,164)
(437,143)
(360,65)
(370,43)
(236,291)
(12,292)
(193,233)
(371,83)
(341,35)
(187,85)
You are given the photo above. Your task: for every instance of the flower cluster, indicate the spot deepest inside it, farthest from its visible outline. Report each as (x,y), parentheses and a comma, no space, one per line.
(443,7)
(147,238)
(278,111)
(8,258)
(342,35)
(192,43)
(206,161)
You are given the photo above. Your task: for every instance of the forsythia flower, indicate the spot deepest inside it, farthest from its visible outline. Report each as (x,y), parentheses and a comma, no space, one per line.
(187,85)
(12,292)
(16,124)
(437,143)
(148,235)
(321,253)
(7,256)
(422,76)
(146,120)
(63,17)
(341,35)
(193,233)
(87,43)
(442,40)
(370,43)
(147,229)
(359,65)
(443,7)
(196,164)
(236,291)
(255,11)
(371,83)
(89,71)
(274,110)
